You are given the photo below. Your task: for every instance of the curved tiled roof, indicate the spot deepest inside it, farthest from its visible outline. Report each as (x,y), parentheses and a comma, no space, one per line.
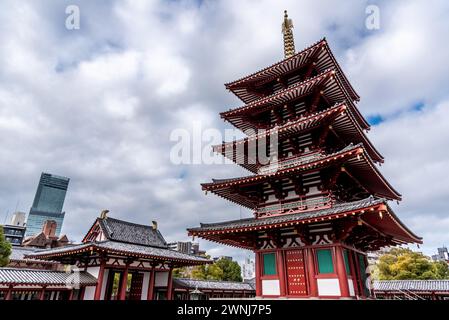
(212,284)
(411,285)
(124,231)
(325,59)
(19,253)
(19,276)
(252,222)
(122,248)
(389,224)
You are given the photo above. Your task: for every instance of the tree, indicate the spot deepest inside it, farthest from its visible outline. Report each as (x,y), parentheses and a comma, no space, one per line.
(179,272)
(405,264)
(207,272)
(231,269)
(222,269)
(5,249)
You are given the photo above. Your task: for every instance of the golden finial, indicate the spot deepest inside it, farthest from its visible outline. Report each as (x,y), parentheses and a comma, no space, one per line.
(289,42)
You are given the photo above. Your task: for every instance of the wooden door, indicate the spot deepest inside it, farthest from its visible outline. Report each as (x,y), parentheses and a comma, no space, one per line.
(296,276)
(135,290)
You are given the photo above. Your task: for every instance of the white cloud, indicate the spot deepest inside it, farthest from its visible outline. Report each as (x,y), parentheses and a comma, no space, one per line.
(98,104)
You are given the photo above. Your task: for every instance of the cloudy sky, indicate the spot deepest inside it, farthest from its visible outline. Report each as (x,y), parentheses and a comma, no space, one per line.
(98,104)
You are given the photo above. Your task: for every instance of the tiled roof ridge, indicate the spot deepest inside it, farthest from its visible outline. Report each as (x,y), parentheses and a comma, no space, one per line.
(211,280)
(31,269)
(119,246)
(412,280)
(108,222)
(330,155)
(369,200)
(290,88)
(288,124)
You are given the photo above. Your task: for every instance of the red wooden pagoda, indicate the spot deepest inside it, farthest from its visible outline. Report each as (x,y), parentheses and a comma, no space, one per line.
(321,204)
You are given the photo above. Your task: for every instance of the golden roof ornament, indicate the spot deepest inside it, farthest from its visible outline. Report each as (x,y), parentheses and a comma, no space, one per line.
(289,42)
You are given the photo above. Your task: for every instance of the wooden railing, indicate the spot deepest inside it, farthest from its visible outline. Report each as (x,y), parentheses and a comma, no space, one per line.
(308,203)
(290,162)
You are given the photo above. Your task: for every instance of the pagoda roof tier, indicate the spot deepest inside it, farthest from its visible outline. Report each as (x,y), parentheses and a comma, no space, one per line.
(115,248)
(320,53)
(355,159)
(331,87)
(371,212)
(342,122)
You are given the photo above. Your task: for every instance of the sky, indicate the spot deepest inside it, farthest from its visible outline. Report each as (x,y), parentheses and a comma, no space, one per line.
(98,104)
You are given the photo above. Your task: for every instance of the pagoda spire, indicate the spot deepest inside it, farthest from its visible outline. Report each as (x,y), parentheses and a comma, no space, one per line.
(289,42)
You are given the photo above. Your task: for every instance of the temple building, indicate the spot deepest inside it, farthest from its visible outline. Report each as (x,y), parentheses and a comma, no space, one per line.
(411,289)
(47,237)
(194,289)
(320,202)
(117,260)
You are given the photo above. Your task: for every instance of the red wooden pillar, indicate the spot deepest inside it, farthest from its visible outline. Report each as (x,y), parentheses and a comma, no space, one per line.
(310,264)
(341,271)
(71,294)
(42,293)
(9,293)
(123,283)
(170,284)
(150,294)
(280,265)
(258,275)
(99,286)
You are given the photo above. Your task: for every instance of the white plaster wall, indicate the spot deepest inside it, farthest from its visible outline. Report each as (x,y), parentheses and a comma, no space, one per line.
(146,281)
(161,279)
(103,285)
(270,288)
(89,294)
(351,287)
(94,271)
(328,287)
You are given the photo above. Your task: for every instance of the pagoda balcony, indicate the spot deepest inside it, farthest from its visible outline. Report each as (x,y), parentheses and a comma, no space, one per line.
(304,204)
(291,162)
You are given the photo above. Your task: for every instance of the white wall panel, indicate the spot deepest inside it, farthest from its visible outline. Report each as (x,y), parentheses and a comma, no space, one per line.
(328,287)
(270,288)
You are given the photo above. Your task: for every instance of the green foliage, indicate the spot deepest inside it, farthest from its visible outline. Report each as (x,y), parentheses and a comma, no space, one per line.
(405,264)
(207,272)
(231,270)
(5,249)
(179,272)
(222,269)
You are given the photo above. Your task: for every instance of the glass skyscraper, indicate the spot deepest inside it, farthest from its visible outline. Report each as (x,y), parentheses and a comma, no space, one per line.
(48,203)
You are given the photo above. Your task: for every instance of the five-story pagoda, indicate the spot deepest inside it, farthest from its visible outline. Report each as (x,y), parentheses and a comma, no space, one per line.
(320,203)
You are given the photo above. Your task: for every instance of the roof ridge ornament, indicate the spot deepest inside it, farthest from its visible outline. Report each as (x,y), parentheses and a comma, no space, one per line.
(104,214)
(289,41)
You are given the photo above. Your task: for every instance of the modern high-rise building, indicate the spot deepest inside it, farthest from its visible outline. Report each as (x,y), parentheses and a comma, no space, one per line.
(187,247)
(48,203)
(443,255)
(18,219)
